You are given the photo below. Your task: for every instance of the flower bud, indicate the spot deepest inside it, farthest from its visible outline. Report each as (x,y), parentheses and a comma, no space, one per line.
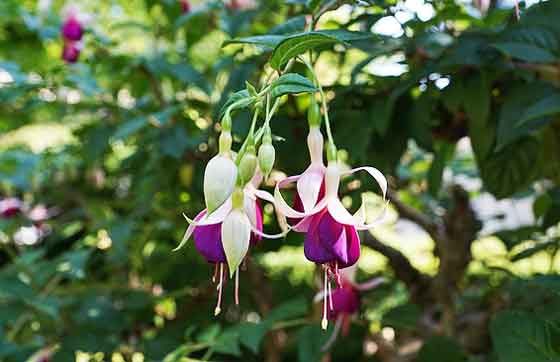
(315,145)
(225,142)
(248,165)
(185,6)
(219,181)
(314,113)
(331,152)
(267,156)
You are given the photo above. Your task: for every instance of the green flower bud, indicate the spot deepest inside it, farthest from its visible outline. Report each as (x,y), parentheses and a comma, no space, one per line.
(314,114)
(267,155)
(331,152)
(225,142)
(248,165)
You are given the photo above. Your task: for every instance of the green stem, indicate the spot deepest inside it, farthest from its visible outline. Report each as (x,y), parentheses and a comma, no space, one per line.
(323,100)
(250,137)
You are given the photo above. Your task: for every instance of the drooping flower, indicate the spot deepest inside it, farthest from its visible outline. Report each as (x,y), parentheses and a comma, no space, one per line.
(72,31)
(344,301)
(332,232)
(224,236)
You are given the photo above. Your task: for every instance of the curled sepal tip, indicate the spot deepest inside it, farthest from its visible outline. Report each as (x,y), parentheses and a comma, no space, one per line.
(219,181)
(236,235)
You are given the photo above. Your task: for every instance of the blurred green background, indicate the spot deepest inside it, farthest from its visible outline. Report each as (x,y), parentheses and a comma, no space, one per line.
(456,101)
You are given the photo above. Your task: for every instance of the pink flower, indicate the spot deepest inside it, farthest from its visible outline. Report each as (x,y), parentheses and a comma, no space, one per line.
(241,4)
(342,303)
(71,51)
(185,6)
(72,29)
(10,206)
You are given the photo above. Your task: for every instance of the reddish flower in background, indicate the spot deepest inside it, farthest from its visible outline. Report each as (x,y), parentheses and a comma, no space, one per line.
(72,29)
(185,6)
(72,32)
(344,301)
(71,51)
(10,206)
(241,4)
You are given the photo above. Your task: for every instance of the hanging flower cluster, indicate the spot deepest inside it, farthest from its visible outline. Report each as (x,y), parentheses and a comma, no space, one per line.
(232,222)
(72,31)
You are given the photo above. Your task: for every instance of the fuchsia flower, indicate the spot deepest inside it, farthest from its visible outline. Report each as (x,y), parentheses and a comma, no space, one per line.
(331,231)
(185,6)
(10,206)
(344,301)
(72,29)
(223,237)
(241,4)
(71,51)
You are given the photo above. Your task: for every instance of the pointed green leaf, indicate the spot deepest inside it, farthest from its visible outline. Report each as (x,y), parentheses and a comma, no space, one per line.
(297,44)
(291,83)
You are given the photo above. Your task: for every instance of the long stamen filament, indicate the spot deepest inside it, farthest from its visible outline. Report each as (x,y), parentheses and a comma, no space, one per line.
(329,291)
(237,286)
(220,288)
(215,273)
(324,321)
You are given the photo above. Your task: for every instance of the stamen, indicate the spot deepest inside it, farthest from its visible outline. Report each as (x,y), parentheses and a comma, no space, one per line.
(237,286)
(324,321)
(329,291)
(337,274)
(220,287)
(215,273)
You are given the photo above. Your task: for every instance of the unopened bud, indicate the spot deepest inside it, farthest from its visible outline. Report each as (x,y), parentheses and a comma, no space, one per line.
(314,114)
(267,155)
(248,165)
(219,181)
(225,142)
(331,151)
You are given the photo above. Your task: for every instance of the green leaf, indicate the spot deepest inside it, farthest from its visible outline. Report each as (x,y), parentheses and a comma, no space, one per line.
(520,98)
(512,237)
(251,334)
(477,100)
(535,249)
(441,349)
(311,339)
(512,169)
(236,97)
(267,41)
(228,343)
(297,44)
(443,154)
(522,337)
(403,316)
(526,52)
(548,106)
(291,83)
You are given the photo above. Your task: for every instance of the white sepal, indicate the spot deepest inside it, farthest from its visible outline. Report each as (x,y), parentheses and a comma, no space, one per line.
(219,181)
(236,234)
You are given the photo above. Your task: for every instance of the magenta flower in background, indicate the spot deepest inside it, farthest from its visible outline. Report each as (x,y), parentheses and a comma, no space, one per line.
(344,301)
(185,6)
(72,29)
(10,206)
(71,51)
